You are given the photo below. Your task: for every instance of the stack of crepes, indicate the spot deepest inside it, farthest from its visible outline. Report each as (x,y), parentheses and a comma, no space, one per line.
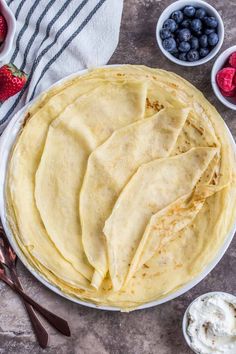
(121,185)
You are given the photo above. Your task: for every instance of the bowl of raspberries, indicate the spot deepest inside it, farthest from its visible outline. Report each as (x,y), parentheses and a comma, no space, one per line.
(223,77)
(7,29)
(190,33)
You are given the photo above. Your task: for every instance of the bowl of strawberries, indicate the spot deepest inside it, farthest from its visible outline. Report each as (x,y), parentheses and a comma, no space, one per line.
(223,77)
(7,29)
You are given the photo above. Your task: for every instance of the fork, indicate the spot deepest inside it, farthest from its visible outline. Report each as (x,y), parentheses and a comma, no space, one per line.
(57,322)
(8,258)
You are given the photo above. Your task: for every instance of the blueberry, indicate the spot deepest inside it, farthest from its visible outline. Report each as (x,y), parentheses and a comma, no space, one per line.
(182,56)
(175,54)
(186,23)
(196,25)
(203,52)
(210,22)
(189,11)
(194,42)
(169,44)
(203,41)
(184,35)
(209,31)
(200,13)
(177,16)
(184,47)
(193,55)
(213,39)
(198,34)
(165,33)
(177,33)
(170,24)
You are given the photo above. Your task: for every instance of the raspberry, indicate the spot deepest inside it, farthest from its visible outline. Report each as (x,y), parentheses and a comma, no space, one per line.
(232,60)
(225,78)
(229,93)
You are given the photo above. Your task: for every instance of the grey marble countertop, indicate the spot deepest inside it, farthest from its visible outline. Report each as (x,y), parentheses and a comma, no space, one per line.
(155,330)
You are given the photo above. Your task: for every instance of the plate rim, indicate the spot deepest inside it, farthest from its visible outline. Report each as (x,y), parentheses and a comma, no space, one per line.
(7,140)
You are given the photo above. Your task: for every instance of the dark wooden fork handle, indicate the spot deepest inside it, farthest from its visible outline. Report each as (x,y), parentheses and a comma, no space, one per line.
(57,322)
(39,330)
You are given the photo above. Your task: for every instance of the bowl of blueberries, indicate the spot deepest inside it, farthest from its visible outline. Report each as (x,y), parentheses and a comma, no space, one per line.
(189,32)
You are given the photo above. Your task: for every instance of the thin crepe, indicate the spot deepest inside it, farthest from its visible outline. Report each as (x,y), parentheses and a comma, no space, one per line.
(181,258)
(154,186)
(165,225)
(71,138)
(115,162)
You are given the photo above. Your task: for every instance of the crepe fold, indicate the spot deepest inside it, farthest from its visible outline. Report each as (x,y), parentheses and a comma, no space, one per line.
(115,162)
(121,185)
(70,139)
(155,185)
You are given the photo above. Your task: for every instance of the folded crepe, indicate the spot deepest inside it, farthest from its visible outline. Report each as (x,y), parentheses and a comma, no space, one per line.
(165,225)
(115,162)
(155,185)
(70,139)
(121,185)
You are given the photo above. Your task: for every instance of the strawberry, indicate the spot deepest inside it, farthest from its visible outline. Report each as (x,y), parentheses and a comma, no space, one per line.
(12,80)
(3,29)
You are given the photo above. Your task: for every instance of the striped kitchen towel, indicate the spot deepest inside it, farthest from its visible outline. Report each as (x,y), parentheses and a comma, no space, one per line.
(56,38)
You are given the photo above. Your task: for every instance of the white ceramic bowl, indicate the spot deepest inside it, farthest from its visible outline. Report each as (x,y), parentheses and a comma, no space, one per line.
(6,142)
(185,318)
(11,24)
(177,5)
(219,63)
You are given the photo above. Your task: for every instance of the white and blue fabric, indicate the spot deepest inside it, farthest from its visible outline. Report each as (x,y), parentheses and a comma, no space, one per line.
(56,38)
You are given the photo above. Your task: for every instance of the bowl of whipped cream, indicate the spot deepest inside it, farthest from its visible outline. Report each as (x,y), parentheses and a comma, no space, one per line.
(209,324)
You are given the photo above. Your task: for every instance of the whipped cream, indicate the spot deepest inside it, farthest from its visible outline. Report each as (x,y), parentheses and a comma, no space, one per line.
(211,324)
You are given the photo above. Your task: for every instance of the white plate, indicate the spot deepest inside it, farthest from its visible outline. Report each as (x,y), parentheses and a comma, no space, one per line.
(6,142)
